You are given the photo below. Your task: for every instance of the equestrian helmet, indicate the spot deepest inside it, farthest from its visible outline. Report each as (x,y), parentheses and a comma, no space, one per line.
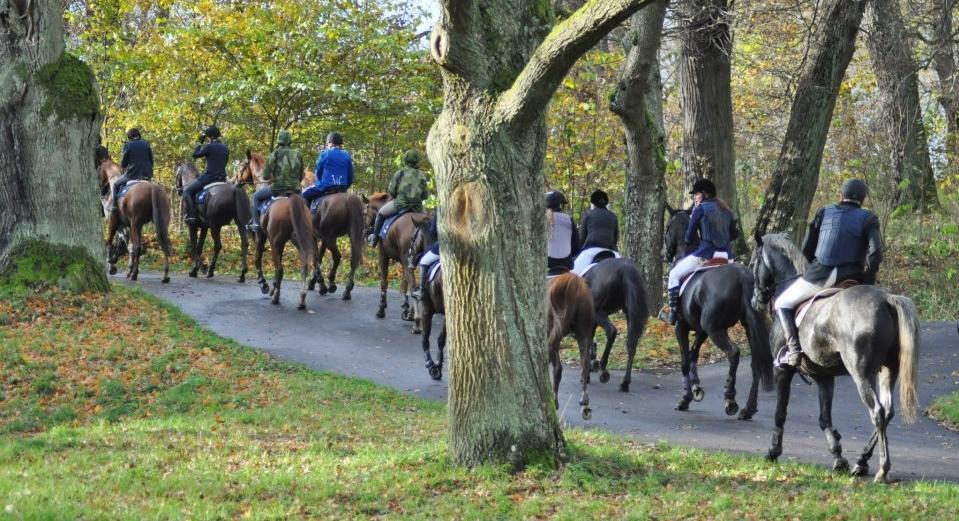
(704,186)
(133,133)
(854,189)
(212,132)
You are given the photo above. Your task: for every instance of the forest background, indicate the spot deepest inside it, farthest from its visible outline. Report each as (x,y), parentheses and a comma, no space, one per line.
(363,68)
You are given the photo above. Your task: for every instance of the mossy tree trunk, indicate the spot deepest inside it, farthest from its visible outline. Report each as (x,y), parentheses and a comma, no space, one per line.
(896,74)
(944,63)
(636,102)
(796,175)
(49,119)
(501,60)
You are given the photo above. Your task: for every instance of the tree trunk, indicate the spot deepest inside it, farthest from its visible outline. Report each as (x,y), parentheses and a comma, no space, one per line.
(488,147)
(704,72)
(944,63)
(635,102)
(49,119)
(896,70)
(796,176)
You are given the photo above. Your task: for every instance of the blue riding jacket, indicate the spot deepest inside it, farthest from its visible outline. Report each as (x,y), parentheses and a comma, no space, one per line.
(716,227)
(334,168)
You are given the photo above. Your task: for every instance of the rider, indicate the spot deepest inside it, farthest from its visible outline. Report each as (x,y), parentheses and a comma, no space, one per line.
(599,227)
(717,229)
(334,170)
(217,155)
(563,237)
(285,169)
(137,163)
(408,188)
(842,242)
(100,154)
(430,256)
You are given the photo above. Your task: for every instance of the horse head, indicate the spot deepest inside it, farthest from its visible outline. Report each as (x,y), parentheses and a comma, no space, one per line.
(373,204)
(251,170)
(775,263)
(186,173)
(674,243)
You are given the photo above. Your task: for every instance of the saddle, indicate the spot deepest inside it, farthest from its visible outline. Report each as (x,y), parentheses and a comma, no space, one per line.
(389,222)
(715,262)
(265,207)
(201,197)
(432,271)
(591,257)
(126,188)
(803,307)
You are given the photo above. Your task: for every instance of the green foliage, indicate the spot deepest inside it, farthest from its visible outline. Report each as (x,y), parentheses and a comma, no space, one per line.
(35,264)
(69,88)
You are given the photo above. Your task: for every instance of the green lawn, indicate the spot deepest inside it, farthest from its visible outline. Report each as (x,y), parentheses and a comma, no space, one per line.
(945,409)
(122,407)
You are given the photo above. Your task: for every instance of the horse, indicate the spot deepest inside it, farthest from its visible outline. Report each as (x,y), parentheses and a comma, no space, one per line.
(714,301)
(144,202)
(617,285)
(863,331)
(224,203)
(569,306)
(339,214)
(431,303)
(396,247)
(287,218)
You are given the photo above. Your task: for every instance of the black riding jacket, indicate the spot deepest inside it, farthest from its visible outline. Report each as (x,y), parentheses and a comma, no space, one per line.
(217,155)
(846,238)
(137,162)
(599,228)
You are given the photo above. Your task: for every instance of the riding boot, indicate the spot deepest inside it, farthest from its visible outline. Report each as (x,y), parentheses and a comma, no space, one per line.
(374,237)
(424,276)
(673,306)
(254,225)
(190,217)
(793,355)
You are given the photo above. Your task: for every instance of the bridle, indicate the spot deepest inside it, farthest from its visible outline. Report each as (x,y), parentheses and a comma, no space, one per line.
(765,293)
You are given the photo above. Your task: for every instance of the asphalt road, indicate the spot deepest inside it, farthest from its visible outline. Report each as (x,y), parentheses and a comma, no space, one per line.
(345,338)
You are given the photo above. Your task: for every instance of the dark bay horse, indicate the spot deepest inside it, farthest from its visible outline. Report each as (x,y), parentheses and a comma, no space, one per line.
(617,285)
(339,214)
(431,303)
(396,247)
(144,202)
(287,218)
(224,203)
(714,301)
(864,331)
(569,311)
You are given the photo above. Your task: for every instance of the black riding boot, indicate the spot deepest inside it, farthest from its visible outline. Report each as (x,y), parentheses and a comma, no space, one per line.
(673,306)
(254,225)
(793,355)
(374,237)
(190,217)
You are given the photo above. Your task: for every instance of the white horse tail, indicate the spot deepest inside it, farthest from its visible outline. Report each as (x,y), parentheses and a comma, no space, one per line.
(908,322)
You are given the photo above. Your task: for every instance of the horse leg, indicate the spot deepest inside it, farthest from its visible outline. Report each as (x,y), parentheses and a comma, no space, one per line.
(698,392)
(557,368)
(276,248)
(356,256)
(304,253)
(405,285)
(384,268)
(427,329)
(603,320)
(244,247)
(335,252)
(217,246)
(417,313)
(721,339)
(752,402)
(585,339)
(318,269)
(193,251)
(441,347)
(134,249)
(826,385)
(200,243)
(111,235)
(783,386)
(682,338)
(887,380)
(258,262)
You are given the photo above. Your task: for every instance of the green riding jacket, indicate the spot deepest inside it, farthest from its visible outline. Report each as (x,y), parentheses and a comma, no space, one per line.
(409,185)
(285,166)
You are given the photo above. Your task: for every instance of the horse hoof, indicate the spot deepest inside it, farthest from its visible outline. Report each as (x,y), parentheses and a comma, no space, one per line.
(746,414)
(264,288)
(133,276)
(113,270)
(772,455)
(332,288)
(347,296)
(323,290)
(604,376)
(594,366)
(301,306)
(624,387)
(840,465)
(275,300)
(698,394)
(242,279)
(193,274)
(859,470)
(436,372)
(165,280)
(587,413)
(881,477)
(209,275)
(417,331)
(381,313)
(731,408)
(683,405)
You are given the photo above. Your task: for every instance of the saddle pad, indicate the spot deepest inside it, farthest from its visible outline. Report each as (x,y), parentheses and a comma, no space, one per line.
(389,222)
(708,266)
(584,261)
(126,188)
(804,306)
(433,270)
(265,207)
(315,205)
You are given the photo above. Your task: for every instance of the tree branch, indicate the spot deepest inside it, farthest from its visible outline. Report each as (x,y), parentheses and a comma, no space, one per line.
(551,61)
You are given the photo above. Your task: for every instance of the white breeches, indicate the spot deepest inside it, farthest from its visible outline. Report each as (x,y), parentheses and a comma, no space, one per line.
(429,258)
(801,290)
(685,266)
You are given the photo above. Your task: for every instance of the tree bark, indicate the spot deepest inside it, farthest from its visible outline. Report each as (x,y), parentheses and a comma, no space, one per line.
(704,72)
(891,53)
(796,176)
(637,102)
(49,119)
(501,62)
(944,63)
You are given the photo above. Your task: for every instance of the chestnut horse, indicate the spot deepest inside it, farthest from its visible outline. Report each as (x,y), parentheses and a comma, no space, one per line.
(396,247)
(569,306)
(339,214)
(287,218)
(144,202)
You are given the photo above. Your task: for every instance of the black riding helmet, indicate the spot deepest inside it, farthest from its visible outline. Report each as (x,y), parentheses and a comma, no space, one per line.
(212,132)
(555,200)
(334,138)
(705,186)
(599,199)
(855,190)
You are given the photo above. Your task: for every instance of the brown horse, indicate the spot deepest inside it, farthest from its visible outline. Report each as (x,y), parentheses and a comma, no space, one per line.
(396,247)
(338,215)
(569,305)
(144,202)
(431,303)
(224,203)
(287,218)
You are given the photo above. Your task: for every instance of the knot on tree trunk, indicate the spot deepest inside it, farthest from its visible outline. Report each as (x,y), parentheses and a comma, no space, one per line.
(468,219)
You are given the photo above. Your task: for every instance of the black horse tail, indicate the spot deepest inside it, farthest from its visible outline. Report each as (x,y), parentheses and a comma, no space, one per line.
(758,335)
(161,217)
(908,322)
(636,305)
(241,208)
(302,229)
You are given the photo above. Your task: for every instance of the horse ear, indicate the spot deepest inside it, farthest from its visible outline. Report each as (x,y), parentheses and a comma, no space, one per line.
(249,155)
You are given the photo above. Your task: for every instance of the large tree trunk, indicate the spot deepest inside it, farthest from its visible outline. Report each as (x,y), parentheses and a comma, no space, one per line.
(944,63)
(896,71)
(49,119)
(487,147)
(704,72)
(794,181)
(637,101)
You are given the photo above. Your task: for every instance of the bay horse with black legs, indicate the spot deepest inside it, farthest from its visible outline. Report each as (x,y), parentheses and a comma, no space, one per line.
(287,218)
(863,331)
(431,303)
(569,311)
(617,285)
(713,301)
(143,202)
(223,203)
(338,215)
(396,247)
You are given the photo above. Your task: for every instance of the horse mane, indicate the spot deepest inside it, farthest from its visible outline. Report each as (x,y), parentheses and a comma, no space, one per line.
(257,159)
(784,245)
(379,196)
(108,171)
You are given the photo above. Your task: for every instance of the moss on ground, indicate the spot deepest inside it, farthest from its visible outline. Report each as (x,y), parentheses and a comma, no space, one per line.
(35,265)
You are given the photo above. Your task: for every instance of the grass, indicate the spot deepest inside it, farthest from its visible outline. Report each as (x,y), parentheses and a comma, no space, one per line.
(945,409)
(122,407)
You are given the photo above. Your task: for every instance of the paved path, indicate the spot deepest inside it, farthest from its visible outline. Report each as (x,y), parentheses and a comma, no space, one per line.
(344,337)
